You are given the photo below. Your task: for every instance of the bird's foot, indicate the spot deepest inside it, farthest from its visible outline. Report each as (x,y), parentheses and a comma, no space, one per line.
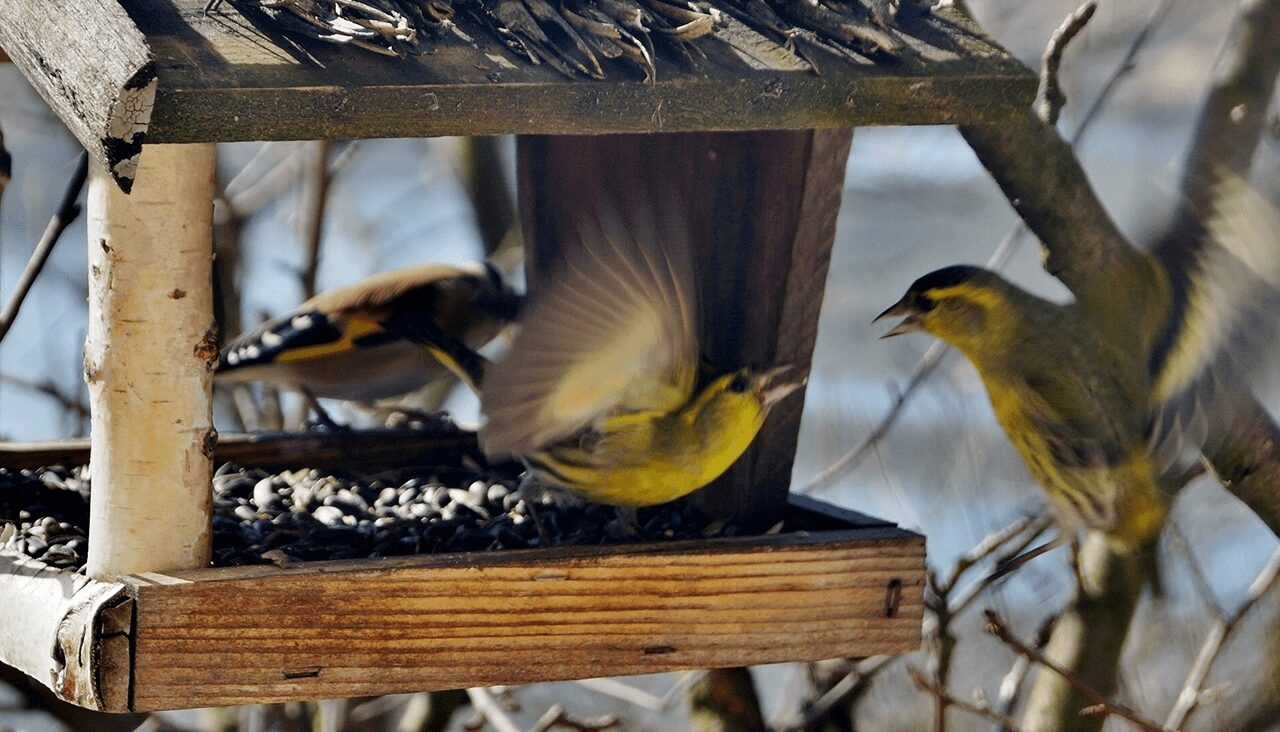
(321,415)
(438,421)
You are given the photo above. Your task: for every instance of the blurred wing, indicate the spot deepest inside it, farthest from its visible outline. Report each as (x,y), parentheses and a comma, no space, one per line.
(1225,278)
(612,331)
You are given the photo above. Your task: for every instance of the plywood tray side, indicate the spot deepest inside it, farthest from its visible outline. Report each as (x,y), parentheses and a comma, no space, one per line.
(354,628)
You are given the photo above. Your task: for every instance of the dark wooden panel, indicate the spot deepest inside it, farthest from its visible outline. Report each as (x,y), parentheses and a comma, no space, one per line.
(761,210)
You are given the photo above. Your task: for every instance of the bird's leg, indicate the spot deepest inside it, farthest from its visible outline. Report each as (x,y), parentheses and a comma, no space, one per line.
(530,492)
(321,414)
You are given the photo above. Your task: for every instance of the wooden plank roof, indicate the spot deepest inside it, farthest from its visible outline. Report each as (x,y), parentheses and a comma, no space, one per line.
(227,76)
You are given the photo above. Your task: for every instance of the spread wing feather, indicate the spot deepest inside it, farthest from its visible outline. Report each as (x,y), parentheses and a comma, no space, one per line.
(612,331)
(1225,277)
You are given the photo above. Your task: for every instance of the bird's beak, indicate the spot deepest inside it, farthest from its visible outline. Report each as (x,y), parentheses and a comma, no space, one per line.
(777,383)
(910,318)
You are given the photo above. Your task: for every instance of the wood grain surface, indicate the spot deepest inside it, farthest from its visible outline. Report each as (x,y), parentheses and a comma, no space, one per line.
(92,66)
(340,629)
(228,77)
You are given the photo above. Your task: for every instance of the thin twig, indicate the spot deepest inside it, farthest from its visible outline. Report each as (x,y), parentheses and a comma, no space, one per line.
(979,707)
(928,363)
(51,390)
(848,685)
(6,166)
(489,708)
(1011,684)
(1192,693)
(556,716)
(67,212)
(1101,704)
(1050,97)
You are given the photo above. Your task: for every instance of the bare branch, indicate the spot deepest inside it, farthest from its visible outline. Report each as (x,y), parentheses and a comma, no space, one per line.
(979,707)
(313,233)
(492,201)
(67,212)
(6,166)
(840,692)
(489,708)
(723,700)
(1234,114)
(1192,692)
(1050,97)
(1011,684)
(556,716)
(69,402)
(997,627)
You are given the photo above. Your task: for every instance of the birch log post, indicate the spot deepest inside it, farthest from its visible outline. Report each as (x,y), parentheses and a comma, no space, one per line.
(148,361)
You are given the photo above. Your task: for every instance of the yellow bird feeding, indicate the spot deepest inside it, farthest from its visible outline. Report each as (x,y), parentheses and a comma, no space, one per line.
(1106,397)
(381,337)
(600,394)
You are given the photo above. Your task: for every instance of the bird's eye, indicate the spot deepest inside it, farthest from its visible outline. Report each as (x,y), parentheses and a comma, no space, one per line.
(924,303)
(739,384)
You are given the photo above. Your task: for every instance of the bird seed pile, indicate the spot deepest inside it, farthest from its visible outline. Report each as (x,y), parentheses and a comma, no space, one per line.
(307,515)
(579,37)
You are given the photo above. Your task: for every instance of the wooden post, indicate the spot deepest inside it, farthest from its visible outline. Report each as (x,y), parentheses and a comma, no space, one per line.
(761,209)
(148,360)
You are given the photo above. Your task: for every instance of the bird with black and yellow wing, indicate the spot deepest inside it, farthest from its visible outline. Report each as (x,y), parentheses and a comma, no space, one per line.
(1108,397)
(381,337)
(602,393)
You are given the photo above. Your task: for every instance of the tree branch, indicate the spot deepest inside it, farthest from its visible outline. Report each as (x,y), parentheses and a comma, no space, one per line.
(997,627)
(67,212)
(725,700)
(1192,689)
(1234,115)
(979,708)
(6,166)
(1050,97)
(314,232)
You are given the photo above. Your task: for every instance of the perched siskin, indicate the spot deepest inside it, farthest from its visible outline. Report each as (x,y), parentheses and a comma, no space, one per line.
(381,337)
(601,392)
(1104,397)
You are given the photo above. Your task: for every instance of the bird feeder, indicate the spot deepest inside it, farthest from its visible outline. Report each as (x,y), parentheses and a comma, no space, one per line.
(757,157)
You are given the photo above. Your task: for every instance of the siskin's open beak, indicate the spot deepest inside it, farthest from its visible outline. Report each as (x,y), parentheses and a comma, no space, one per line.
(910,318)
(776,384)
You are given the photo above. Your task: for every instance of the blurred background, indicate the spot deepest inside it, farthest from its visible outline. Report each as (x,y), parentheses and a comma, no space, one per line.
(915,199)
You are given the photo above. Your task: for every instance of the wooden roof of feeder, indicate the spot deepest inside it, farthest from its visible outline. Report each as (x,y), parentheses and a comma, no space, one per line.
(226,76)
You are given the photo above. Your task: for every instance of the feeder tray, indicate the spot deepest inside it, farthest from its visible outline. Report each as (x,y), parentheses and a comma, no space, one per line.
(846,585)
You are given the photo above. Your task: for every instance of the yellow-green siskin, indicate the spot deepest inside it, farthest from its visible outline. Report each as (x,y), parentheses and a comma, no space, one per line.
(381,337)
(1105,397)
(600,393)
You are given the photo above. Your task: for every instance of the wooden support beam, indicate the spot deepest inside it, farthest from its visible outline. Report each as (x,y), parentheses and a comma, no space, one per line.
(148,363)
(66,631)
(761,208)
(94,68)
